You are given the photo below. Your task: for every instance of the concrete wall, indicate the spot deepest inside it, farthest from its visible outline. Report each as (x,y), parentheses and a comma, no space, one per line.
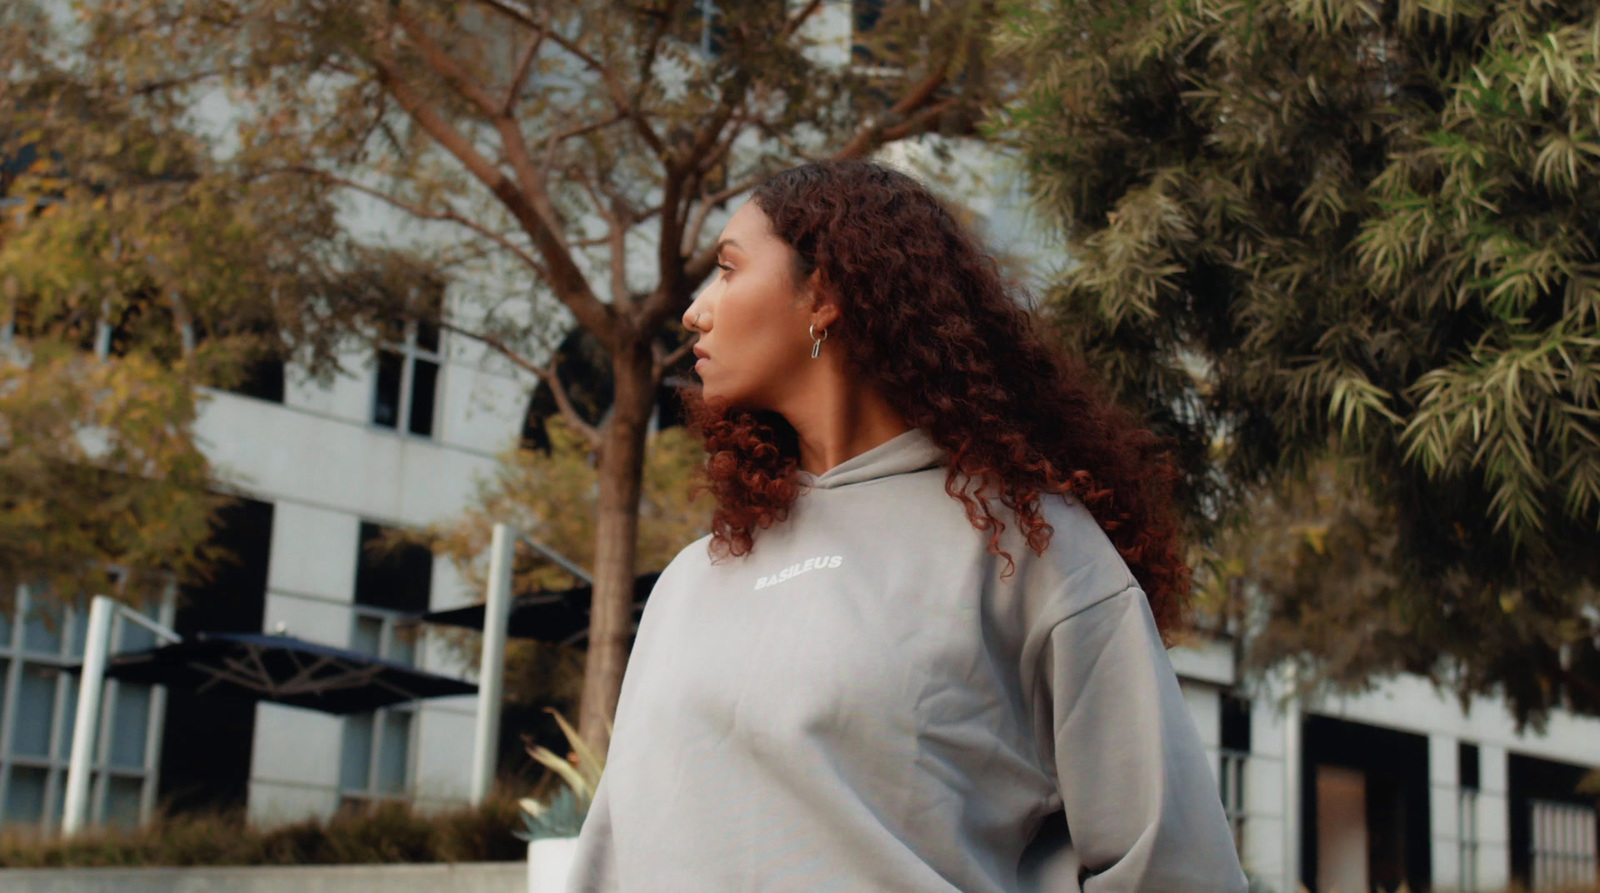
(471,877)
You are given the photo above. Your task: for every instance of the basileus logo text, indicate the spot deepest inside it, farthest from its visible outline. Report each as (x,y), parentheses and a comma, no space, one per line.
(800,567)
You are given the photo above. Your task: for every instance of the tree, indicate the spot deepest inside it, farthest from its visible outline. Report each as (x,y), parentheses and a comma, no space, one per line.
(551,496)
(1359,233)
(582,146)
(133,271)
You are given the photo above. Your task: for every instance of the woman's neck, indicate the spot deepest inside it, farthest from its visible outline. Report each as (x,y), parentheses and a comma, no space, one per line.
(837,419)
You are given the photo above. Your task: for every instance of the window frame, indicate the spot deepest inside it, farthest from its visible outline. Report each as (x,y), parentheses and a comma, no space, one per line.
(371,793)
(54,763)
(410,353)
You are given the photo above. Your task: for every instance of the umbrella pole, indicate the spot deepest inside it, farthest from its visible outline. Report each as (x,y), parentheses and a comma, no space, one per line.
(85,728)
(491,673)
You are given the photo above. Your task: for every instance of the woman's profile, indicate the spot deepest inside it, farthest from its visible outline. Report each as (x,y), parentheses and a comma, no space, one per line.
(921,649)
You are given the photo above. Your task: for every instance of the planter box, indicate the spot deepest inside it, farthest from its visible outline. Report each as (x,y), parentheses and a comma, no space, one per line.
(467,877)
(550,863)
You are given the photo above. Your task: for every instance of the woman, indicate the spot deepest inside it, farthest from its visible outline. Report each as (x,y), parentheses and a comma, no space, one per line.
(921,649)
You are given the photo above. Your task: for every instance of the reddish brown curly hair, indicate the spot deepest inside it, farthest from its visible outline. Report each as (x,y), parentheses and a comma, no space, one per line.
(926,316)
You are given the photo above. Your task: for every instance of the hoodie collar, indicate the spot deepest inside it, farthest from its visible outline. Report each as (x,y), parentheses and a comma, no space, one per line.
(910,451)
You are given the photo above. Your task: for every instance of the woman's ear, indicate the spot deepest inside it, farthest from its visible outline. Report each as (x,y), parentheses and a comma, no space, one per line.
(824,308)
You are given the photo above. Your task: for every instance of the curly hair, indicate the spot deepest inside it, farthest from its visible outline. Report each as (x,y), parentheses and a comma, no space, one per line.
(927,318)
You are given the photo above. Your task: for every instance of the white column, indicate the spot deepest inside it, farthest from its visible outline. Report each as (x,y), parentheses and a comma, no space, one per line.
(1264,779)
(1444,801)
(496,616)
(1494,819)
(85,728)
(1292,755)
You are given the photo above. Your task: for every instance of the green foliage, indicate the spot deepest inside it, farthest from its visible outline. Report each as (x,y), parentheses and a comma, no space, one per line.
(387,833)
(135,270)
(552,497)
(1312,228)
(563,814)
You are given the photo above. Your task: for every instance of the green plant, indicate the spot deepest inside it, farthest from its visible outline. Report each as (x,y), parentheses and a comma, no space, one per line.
(563,814)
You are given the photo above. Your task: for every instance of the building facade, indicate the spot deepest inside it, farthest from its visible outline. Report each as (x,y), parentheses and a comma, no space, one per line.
(1401,785)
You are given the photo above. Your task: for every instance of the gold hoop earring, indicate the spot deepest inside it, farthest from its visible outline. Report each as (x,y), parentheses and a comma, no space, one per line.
(816,343)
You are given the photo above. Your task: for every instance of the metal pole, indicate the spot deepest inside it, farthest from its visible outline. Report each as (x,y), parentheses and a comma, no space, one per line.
(91,684)
(491,673)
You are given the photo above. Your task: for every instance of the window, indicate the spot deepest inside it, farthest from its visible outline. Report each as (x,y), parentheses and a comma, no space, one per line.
(39,645)
(1235,754)
(1563,845)
(1467,815)
(407,381)
(392,587)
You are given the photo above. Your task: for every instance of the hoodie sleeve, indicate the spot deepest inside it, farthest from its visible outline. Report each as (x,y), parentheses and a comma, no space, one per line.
(1140,799)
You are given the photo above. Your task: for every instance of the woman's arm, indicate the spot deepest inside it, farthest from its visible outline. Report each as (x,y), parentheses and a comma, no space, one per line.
(1141,802)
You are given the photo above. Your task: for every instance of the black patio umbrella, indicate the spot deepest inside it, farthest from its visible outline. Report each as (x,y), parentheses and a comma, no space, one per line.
(284,670)
(560,616)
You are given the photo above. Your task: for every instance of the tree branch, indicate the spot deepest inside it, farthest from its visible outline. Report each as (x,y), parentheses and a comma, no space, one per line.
(565,279)
(607,76)
(548,376)
(422,213)
(663,362)
(875,135)
(520,76)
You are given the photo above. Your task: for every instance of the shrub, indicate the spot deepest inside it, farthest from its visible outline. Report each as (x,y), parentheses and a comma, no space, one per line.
(390,832)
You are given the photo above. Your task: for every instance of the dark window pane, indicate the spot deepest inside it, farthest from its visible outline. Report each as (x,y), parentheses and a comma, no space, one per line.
(403,644)
(394,751)
(80,627)
(367,637)
(131,722)
(1235,723)
(424,380)
(398,578)
(25,796)
(262,379)
(355,760)
(386,395)
(428,337)
(42,633)
(36,707)
(1467,764)
(69,719)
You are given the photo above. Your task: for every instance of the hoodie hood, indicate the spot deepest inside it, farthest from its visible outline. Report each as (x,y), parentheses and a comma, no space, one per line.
(910,451)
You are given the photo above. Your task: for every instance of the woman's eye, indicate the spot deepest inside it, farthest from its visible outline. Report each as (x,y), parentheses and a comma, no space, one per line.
(725,268)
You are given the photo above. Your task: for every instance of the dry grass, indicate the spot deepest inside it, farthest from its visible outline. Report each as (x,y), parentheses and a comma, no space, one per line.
(389,833)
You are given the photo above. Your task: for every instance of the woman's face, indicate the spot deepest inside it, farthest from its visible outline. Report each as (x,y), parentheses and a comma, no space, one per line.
(751,317)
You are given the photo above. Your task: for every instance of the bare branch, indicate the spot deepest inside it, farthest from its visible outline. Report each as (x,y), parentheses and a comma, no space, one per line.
(691,234)
(565,279)
(444,65)
(520,75)
(422,213)
(548,376)
(875,135)
(562,136)
(608,76)
(663,362)
(799,18)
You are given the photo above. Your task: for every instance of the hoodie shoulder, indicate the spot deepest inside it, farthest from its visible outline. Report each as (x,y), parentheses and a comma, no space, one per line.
(1084,566)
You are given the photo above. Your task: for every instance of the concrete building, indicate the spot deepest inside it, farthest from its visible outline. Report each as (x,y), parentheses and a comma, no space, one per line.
(1401,784)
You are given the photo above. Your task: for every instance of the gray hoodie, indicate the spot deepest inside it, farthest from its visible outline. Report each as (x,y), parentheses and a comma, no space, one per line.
(862,703)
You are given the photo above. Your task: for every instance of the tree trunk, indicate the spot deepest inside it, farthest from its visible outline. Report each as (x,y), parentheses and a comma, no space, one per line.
(616,537)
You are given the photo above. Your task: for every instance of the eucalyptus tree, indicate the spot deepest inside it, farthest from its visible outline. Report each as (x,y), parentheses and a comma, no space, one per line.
(584,144)
(1357,232)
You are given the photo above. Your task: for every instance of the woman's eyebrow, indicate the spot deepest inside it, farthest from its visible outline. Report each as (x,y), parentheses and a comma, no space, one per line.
(727,243)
